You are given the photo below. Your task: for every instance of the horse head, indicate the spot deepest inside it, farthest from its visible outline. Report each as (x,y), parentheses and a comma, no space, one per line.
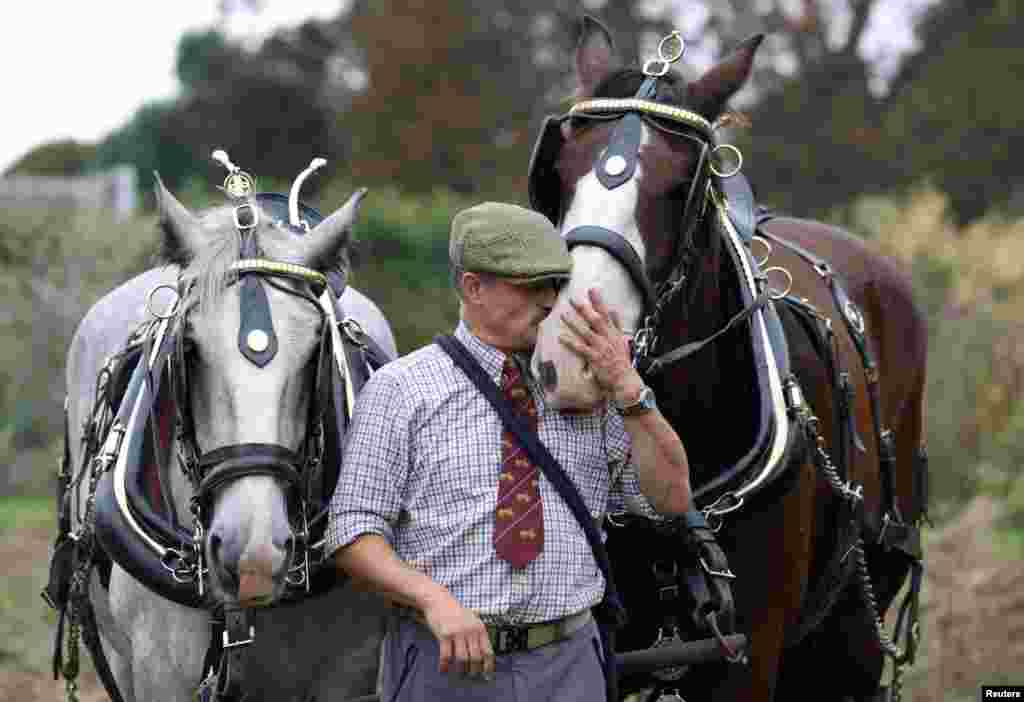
(625,176)
(251,325)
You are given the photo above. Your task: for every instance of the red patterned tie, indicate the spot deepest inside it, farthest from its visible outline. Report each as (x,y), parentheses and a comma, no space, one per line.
(519,517)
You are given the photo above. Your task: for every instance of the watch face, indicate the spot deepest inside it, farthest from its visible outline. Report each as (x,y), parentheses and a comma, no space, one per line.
(645,403)
(647,399)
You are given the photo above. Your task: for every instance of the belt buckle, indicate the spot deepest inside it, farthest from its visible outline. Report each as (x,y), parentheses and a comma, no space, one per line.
(510,639)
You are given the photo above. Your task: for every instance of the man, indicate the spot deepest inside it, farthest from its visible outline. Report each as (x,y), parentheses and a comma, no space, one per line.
(439,509)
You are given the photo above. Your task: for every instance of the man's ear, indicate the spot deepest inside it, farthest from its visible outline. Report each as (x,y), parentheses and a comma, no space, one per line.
(471,287)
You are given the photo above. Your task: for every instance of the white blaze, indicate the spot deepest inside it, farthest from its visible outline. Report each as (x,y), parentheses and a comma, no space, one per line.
(593,267)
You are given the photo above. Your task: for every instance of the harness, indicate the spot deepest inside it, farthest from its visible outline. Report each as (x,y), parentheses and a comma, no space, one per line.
(143,402)
(722,198)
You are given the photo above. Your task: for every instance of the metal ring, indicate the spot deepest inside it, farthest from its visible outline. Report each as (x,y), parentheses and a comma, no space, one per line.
(734,171)
(171,309)
(354,331)
(768,248)
(672,58)
(775,295)
(650,71)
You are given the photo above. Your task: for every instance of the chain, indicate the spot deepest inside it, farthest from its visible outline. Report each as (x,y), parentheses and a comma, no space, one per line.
(71,661)
(85,541)
(855,494)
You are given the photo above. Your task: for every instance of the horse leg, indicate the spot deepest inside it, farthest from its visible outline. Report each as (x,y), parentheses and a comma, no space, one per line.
(774,541)
(168,641)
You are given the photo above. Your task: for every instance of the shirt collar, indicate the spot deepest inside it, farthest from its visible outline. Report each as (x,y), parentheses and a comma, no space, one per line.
(489,357)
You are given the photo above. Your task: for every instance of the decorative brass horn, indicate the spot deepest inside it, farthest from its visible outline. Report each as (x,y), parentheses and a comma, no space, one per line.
(293,196)
(238,183)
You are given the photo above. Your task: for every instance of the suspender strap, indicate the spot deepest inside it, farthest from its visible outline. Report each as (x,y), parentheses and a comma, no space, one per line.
(611,613)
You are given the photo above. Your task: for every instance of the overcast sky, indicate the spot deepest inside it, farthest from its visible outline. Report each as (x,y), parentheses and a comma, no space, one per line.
(79,70)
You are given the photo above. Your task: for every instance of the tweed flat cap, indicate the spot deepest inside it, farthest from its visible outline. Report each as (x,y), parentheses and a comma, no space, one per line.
(509,241)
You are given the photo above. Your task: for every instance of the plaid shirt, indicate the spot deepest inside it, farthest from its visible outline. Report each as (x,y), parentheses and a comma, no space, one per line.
(421,467)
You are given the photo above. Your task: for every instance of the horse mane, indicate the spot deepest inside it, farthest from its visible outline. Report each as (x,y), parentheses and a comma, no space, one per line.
(625,82)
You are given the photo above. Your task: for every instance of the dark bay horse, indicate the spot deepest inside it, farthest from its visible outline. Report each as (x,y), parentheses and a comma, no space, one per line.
(802,417)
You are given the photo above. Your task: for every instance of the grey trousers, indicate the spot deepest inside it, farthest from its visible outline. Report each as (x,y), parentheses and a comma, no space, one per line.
(566,670)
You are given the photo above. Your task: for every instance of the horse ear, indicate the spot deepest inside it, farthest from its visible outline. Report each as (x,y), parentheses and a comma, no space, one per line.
(324,242)
(595,56)
(711,91)
(183,234)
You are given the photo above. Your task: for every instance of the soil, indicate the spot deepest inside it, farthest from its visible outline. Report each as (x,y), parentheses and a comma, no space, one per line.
(973,614)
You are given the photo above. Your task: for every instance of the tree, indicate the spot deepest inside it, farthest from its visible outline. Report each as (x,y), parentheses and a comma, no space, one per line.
(56,158)
(455,91)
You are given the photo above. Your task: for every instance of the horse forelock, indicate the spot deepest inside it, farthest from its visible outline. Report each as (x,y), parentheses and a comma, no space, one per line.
(207,272)
(625,82)
(672,89)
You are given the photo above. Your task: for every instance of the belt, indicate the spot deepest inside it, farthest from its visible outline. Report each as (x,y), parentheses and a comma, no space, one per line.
(515,638)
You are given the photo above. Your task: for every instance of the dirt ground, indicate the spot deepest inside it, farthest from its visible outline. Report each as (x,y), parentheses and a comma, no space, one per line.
(973,617)
(27,624)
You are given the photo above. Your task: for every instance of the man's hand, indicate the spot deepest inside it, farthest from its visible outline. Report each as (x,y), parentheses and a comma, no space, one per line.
(595,336)
(465,647)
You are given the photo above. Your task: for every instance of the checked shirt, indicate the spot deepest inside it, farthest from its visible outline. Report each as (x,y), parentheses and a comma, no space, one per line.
(421,468)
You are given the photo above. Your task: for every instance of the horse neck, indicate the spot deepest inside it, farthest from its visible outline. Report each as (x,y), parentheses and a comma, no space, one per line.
(690,392)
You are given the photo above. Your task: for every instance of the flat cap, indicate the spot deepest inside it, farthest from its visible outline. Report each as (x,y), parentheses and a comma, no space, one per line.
(509,241)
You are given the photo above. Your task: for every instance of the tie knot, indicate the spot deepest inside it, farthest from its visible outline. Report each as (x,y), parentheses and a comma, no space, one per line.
(511,376)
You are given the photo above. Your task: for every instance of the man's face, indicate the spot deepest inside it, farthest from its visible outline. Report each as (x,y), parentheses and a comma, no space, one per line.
(509,315)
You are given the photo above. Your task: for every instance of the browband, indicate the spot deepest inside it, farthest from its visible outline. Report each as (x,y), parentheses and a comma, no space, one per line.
(291,270)
(657,109)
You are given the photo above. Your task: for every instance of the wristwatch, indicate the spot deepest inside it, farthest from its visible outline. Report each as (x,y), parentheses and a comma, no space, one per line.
(643,404)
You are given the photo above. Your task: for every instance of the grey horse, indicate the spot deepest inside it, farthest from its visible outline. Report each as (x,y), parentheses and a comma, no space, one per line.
(323,647)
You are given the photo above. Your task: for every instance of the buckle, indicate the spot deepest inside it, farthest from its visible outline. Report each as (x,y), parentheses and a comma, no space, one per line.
(246,217)
(727,573)
(227,643)
(509,639)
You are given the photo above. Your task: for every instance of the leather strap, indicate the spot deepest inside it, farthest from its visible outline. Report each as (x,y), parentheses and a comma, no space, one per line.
(611,612)
(619,249)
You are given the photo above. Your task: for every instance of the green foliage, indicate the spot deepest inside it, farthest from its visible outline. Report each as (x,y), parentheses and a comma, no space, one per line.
(26,512)
(402,259)
(960,363)
(56,264)
(959,121)
(56,158)
(147,143)
(199,53)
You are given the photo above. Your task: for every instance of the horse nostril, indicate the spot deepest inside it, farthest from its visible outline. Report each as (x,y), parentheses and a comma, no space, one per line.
(548,374)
